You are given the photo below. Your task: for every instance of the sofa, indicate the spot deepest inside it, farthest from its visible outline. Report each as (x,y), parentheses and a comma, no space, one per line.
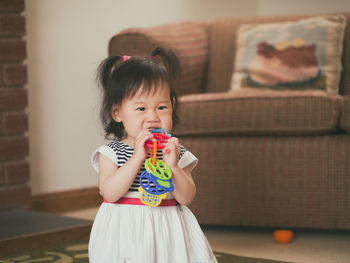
(267,158)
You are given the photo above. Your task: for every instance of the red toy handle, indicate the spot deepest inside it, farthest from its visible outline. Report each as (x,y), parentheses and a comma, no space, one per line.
(161,138)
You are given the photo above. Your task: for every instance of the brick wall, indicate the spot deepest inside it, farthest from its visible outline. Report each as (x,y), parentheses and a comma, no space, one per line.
(14,145)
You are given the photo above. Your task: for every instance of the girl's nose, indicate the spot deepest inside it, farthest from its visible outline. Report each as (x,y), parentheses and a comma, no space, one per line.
(152,116)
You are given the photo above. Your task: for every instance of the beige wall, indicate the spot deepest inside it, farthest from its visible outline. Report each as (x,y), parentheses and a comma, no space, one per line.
(273,7)
(66,41)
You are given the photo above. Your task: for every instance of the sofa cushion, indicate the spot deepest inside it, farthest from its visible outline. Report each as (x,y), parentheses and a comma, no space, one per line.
(259,113)
(345,117)
(188,39)
(222,42)
(304,54)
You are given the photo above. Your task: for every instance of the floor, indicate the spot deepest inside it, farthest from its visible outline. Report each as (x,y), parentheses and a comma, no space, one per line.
(19,222)
(25,230)
(306,246)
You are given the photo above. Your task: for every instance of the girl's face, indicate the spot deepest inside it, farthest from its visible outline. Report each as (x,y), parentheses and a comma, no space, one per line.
(146,110)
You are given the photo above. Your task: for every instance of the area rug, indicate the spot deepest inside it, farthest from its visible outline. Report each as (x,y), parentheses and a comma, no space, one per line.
(77,252)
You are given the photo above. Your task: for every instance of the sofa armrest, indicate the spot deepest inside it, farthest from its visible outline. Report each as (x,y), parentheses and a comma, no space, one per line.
(188,39)
(345,116)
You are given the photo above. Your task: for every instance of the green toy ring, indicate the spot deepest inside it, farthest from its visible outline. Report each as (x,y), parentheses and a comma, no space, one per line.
(159,170)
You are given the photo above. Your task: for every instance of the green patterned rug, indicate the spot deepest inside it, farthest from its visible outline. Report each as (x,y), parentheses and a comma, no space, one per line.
(77,252)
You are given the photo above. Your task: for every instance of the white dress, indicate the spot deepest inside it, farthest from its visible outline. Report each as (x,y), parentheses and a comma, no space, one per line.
(144,234)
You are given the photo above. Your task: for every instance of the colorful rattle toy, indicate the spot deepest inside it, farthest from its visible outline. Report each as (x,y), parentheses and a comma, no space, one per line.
(156,180)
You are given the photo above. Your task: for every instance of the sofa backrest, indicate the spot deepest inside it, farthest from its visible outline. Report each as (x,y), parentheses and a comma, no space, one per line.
(222,46)
(188,39)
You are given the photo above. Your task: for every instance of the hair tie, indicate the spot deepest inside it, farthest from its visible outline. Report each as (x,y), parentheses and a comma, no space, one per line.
(125,58)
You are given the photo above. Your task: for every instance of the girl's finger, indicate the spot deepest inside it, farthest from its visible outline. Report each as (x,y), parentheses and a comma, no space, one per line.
(144,136)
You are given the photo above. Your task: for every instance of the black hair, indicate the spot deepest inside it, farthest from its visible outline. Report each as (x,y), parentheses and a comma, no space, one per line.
(120,80)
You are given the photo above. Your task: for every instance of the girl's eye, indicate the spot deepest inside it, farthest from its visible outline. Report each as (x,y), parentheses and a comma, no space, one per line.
(162,107)
(141,109)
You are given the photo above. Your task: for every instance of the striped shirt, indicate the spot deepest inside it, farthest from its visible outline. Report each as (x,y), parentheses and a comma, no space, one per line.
(124,153)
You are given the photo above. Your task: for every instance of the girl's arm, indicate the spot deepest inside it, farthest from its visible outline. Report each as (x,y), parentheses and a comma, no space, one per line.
(184,186)
(114,182)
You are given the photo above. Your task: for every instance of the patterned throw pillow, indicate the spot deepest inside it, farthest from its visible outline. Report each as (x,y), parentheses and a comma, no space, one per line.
(299,55)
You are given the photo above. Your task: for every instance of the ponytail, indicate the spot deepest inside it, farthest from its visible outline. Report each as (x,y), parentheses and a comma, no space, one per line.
(105,70)
(172,62)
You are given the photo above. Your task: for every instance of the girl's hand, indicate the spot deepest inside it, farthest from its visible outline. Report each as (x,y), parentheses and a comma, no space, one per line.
(171,152)
(140,150)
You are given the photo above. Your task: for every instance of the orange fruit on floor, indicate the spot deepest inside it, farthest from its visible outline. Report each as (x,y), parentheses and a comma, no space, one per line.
(283,236)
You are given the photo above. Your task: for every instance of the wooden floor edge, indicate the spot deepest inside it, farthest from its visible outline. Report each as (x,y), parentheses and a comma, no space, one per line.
(41,240)
(65,201)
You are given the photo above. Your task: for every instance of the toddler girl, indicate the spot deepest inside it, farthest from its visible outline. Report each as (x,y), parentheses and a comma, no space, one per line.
(138,96)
